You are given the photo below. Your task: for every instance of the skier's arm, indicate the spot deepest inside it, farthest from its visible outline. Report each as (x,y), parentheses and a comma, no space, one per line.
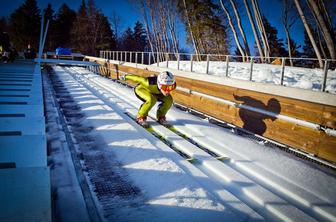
(138,79)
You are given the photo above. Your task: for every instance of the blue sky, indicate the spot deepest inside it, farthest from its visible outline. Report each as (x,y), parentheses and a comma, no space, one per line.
(129,14)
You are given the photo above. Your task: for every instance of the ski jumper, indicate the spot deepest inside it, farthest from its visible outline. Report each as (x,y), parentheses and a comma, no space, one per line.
(147,90)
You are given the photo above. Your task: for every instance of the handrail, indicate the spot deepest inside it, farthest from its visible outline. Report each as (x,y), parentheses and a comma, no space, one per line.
(175,61)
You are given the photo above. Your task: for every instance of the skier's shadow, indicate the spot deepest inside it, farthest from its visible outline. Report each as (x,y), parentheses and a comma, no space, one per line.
(254,121)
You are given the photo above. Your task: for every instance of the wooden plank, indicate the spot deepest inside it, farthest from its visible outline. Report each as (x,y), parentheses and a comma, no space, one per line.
(327,147)
(312,112)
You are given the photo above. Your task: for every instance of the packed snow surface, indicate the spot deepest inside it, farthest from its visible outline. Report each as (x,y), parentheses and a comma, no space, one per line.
(254,183)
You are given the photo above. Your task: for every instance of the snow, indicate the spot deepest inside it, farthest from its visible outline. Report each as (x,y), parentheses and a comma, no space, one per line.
(298,77)
(171,188)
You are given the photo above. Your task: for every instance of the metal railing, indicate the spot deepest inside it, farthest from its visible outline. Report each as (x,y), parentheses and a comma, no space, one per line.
(294,72)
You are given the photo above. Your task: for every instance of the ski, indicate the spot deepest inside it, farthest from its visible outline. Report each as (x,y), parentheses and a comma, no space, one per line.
(176,131)
(151,130)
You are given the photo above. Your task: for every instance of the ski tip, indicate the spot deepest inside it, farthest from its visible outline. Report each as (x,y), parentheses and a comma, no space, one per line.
(222,158)
(191,160)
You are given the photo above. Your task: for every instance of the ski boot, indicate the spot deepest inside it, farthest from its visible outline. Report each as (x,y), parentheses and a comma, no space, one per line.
(162,120)
(142,120)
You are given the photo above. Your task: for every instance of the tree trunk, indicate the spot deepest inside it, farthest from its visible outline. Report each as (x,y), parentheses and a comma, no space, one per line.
(254,29)
(310,34)
(147,26)
(190,29)
(324,28)
(233,31)
(171,16)
(247,49)
(288,21)
(289,46)
(261,29)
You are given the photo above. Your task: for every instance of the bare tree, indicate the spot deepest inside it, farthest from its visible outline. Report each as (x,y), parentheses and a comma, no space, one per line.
(242,32)
(233,29)
(288,20)
(190,29)
(323,24)
(256,37)
(144,14)
(309,32)
(171,16)
(116,23)
(261,28)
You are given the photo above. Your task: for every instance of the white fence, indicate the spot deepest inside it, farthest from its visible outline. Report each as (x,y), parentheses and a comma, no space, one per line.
(294,72)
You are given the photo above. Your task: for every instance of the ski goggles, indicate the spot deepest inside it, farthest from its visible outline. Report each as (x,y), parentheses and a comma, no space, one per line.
(167,88)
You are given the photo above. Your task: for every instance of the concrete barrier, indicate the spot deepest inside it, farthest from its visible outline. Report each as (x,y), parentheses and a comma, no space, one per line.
(25,194)
(24,174)
(23,151)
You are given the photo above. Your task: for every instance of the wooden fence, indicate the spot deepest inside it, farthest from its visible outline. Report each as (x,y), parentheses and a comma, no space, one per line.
(306,126)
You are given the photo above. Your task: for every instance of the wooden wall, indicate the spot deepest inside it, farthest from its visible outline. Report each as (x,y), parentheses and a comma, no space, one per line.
(313,141)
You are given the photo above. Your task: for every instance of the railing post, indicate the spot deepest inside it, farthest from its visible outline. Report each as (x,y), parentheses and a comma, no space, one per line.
(167,55)
(178,61)
(136,58)
(157,59)
(283,62)
(142,58)
(110,53)
(227,66)
(325,74)
(251,71)
(131,56)
(207,64)
(191,62)
(149,58)
(117,55)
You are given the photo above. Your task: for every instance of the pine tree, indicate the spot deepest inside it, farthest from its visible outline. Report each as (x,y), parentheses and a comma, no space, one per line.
(205,26)
(50,39)
(3,25)
(127,40)
(106,39)
(80,30)
(140,37)
(308,50)
(63,26)
(92,31)
(25,25)
(276,44)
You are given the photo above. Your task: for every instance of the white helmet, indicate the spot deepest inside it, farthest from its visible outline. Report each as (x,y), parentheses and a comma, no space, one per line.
(165,78)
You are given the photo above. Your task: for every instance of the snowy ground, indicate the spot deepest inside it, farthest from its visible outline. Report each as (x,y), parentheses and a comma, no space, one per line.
(293,76)
(135,177)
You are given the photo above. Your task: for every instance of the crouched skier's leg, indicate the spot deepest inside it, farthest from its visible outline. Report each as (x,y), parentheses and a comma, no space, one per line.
(166,103)
(148,99)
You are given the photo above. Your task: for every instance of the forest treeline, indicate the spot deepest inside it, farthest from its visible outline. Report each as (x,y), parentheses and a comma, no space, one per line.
(87,30)
(211,27)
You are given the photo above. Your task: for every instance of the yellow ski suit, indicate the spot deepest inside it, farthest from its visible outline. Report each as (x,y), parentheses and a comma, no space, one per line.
(148,91)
